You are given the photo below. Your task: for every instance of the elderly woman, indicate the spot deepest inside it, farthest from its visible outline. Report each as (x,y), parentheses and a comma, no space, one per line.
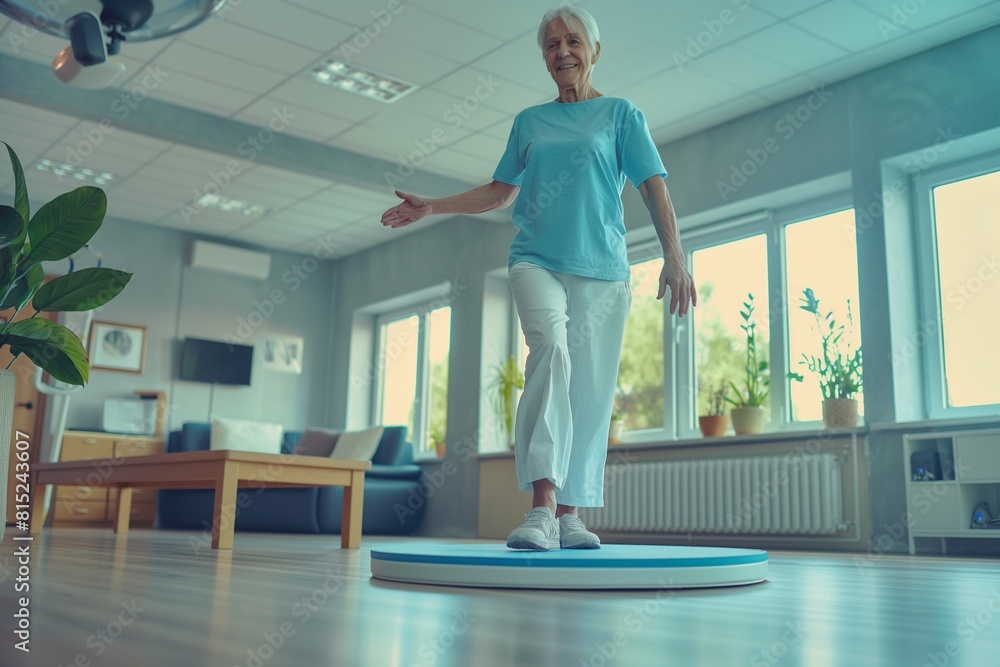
(564,168)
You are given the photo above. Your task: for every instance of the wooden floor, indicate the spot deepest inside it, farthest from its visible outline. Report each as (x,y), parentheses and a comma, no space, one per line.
(163,598)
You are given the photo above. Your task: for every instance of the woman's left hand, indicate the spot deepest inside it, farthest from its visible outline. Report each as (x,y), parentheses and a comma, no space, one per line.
(682,290)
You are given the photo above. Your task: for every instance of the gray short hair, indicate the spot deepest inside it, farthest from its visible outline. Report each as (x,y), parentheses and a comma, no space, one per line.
(576,19)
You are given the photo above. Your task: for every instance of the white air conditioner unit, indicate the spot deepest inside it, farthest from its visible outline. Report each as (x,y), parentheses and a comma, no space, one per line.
(227,259)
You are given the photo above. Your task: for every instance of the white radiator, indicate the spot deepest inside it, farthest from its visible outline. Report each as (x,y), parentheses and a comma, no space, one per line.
(786,495)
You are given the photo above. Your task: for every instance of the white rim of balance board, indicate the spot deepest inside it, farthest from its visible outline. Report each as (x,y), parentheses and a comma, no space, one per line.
(613,566)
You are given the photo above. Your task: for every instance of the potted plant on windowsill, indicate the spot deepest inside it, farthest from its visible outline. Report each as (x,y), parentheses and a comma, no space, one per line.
(839,369)
(58,229)
(748,412)
(506,380)
(617,428)
(715,421)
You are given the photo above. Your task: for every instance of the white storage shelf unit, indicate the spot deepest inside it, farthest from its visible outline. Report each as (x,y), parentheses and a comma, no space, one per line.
(969,465)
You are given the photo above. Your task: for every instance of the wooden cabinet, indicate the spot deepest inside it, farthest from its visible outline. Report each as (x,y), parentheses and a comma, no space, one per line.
(87,505)
(961,471)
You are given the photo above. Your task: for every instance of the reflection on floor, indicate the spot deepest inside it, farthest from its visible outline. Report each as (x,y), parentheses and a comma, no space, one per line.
(163,598)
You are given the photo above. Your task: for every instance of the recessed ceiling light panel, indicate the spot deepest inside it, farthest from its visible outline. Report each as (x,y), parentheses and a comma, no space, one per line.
(64,170)
(361,81)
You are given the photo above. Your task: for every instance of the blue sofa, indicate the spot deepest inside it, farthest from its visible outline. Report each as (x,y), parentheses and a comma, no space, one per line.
(389,507)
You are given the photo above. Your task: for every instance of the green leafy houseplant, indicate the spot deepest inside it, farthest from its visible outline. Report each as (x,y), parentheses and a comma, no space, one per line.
(507,379)
(839,369)
(755,383)
(58,229)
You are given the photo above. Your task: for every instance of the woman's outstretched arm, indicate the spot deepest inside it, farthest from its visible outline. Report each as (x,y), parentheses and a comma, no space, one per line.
(486,197)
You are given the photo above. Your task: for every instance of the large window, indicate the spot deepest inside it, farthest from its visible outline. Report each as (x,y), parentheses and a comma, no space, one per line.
(960,286)
(639,398)
(412,384)
(726,275)
(821,255)
(773,256)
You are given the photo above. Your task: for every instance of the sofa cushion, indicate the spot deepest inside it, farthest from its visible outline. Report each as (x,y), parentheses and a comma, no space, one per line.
(394,449)
(357,445)
(317,442)
(411,472)
(246,435)
(194,437)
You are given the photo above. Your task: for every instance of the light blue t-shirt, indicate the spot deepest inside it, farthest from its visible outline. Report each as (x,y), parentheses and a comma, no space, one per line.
(571,161)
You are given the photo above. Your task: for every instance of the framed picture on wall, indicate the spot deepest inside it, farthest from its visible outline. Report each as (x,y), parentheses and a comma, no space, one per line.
(281,353)
(117,347)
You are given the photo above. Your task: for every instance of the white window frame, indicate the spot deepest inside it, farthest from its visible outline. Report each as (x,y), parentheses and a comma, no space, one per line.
(928,284)
(421,399)
(771,224)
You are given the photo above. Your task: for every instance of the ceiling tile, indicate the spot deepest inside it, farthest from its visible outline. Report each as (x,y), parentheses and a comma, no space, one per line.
(455,111)
(741,68)
(779,41)
(12,127)
(204,64)
(520,60)
(250,46)
(26,42)
(116,143)
(269,178)
(469,168)
(290,23)
(500,130)
(895,16)
(10,108)
(498,92)
(404,61)
(321,98)
(786,8)
(359,13)
(380,143)
(420,131)
(197,93)
(483,146)
(304,123)
(947,30)
(505,20)
(847,25)
(437,34)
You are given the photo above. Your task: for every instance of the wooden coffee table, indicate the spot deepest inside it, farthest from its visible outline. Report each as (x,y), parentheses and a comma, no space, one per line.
(222,470)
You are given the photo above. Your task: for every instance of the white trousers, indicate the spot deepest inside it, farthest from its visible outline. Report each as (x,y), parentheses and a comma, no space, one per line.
(573,327)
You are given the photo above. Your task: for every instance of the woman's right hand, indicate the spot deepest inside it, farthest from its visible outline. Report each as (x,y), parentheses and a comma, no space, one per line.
(412,209)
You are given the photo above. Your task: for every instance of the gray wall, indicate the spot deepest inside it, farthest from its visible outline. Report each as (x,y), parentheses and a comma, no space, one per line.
(849,127)
(173,300)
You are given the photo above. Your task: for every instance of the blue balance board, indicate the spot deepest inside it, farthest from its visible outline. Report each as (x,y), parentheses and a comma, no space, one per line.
(613,566)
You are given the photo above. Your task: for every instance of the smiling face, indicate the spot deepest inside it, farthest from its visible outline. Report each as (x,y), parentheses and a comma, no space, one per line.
(568,56)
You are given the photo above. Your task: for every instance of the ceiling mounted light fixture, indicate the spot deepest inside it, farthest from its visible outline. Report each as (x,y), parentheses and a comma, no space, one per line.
(64,170)
(96,29)
(230,205)
(361,81)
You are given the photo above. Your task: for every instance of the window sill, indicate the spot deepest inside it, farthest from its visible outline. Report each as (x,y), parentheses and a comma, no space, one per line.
(988,421)
(818,434)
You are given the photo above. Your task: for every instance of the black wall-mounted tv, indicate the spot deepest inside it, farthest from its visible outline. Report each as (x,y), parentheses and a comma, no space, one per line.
(215,361)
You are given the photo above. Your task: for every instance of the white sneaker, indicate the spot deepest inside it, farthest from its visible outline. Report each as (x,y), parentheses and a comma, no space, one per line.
(574,535)
(538,532)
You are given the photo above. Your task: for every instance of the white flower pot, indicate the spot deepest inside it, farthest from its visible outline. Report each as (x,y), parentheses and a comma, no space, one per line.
(747,421)
(840,412)
(8,388)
